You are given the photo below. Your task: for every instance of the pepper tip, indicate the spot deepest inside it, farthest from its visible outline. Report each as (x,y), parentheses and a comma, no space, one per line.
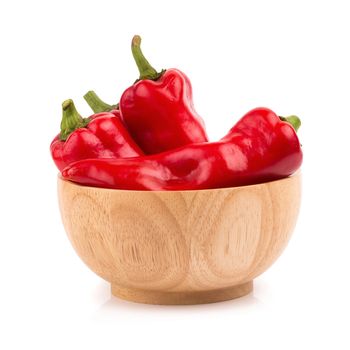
(136,40)
(66,104)
(65,172)
(90,92)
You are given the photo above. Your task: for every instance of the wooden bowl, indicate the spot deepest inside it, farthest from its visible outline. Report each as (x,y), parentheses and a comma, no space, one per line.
(180,247)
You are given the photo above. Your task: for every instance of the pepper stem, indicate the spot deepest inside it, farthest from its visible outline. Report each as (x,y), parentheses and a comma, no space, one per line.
(71,119)
(293,120)
(96,104)
(145,69)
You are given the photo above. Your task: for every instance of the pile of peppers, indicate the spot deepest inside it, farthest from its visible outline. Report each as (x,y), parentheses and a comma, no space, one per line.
(153,139)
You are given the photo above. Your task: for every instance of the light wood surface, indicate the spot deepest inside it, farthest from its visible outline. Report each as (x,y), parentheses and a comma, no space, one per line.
(183,247)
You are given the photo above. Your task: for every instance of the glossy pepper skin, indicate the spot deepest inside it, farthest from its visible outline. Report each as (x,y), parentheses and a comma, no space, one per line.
(259,148)
(158,109)
(102,135)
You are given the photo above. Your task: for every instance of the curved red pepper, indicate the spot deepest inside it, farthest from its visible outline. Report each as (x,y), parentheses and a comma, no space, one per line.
(102,135)
(158,109)
(160,114)
(259,148)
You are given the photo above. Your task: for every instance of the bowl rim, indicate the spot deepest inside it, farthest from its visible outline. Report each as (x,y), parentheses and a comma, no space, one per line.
(287,178)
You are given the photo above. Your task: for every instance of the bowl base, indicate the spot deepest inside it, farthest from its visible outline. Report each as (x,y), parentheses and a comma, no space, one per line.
(182,298)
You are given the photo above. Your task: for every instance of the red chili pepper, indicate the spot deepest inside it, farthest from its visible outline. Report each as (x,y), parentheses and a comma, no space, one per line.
(102,135)
(158,109)
(260,147)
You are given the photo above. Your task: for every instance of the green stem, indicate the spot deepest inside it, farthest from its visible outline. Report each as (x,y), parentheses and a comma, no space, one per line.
(293,120)
(145,69)
(71,119)
(96,104)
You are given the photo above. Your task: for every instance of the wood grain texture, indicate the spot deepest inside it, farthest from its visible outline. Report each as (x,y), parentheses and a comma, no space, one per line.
(181,247)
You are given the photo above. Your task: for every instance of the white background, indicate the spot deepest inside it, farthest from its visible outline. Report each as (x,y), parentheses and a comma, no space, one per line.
(291,56)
